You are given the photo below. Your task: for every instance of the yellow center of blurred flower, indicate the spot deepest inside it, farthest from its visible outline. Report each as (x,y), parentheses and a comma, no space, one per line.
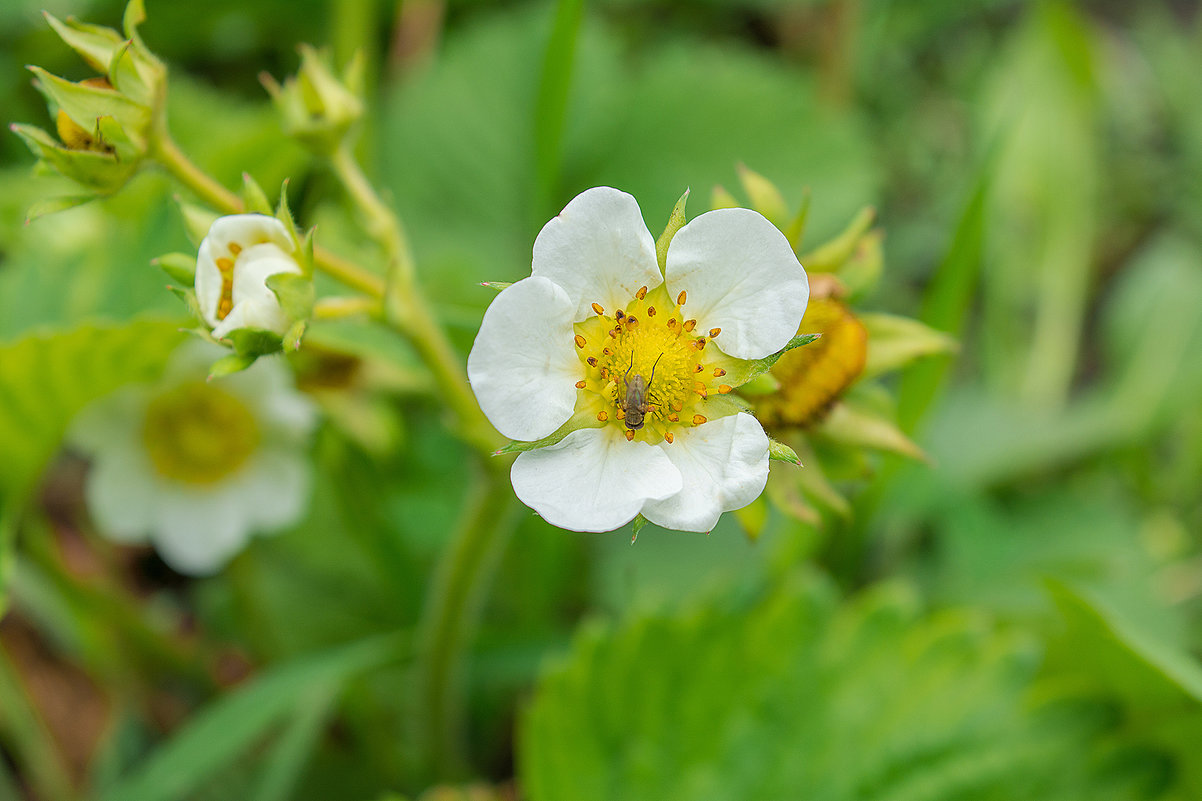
(199,434)
(646,367)
(812,378)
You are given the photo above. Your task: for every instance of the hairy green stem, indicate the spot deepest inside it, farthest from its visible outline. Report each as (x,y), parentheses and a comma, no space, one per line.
(449,619)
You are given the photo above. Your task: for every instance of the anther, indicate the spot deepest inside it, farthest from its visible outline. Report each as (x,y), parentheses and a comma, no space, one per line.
(581,384)
(698,419)
(719,372)
(714,332)
(699,386)
(607,352)
(689,325)
(650,311)
(603,416)
(598,308)
(668,436)
(629,435)
(613,332)
(671,322)
(642,293)
(592,361)
(235,248)
(680,299)
(674,418)
(225,265)
(698,368)
(724,388)
(677,405)
(632,322)
(701,344)
(619,314)
(621,414)
(580,343)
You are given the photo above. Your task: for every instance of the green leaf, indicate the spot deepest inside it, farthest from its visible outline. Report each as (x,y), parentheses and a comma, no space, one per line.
(740,371)
(45,379)
(286,764)
(792,695)
(637,525)
(233,725)
(554,91)
(676,221)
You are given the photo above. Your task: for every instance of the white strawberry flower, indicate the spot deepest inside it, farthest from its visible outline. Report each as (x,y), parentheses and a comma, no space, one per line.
(235,260)
(569,347)
(196,467)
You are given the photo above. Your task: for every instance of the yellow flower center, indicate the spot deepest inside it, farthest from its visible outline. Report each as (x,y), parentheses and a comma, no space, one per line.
(198,434)
(647,369)
(812,378)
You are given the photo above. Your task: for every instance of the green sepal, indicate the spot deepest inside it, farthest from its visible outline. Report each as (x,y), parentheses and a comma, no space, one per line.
(255,342)
(721,198)
(284,215)
(295,294)
(254,199)
(765,197)
(54,205)
(228,365)
(179,267)
(126,78)
(762,384)
(637,525)
(740,371)
(796,229)
(497,285)
(86,104)
(854,426)
(676,221)
(863,268)
(894,342)
(197,220)
(576,422)
(830,256)
(101,172)
(295,335)
(111,133)
(715,407)
(95,44)
(305,254)
(780,452)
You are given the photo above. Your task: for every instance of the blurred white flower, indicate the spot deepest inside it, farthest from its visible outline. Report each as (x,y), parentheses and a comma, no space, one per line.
(194,466)
(232,267)
(597,328)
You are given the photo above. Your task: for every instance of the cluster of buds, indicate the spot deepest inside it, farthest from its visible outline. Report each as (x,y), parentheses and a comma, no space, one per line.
(821,399)
(106,124)
(318,108)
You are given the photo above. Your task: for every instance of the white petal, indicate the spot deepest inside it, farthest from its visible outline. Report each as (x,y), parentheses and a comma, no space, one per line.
(594,480)
(110,422)
(523,366)
(741,276)
(599,250)
(243,230)
(198,530)
(274,489)
(122,494)
(268,388)
(724,466)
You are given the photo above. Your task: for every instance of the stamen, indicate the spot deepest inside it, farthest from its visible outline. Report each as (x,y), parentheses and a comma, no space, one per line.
(598,308)
(619,314)
(581,384)
(714,332)
(235,248)
(677,405)
(671,322)
(668,436)
(701,344)
(592,361)
(680,299)
(650,311)
(580,341)
(724,388)
(603,416)
(698,369)
(621,414)
(689,325)
(674,418)
(698,419)
(719,372)
(629,435)
(613,332)
(642,293)
(607,352)
(632,322)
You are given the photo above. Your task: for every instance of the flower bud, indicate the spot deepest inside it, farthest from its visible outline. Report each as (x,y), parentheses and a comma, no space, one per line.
(318,108)
(248,279)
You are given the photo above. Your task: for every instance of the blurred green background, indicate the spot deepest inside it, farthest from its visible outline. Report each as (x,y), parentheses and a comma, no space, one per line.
(1017,619)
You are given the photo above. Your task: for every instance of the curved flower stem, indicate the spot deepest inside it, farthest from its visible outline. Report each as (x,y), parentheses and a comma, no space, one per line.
(339,308)
(449,619)
(381,223)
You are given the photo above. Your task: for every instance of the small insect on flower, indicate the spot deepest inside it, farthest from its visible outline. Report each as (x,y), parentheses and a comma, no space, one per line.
(634,403)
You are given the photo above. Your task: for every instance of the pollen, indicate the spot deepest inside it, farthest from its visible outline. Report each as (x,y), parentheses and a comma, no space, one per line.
(689,325)
(629,435)
(580,341)
(724,388)
(669,438)
(650,311)
(632,322)
(603,416)
(714,332)
(719,372)
(592,362)
(642,293)
(674,417)
(226,303)
(681,298)
(598,308)
(698,368)
(581,384)
(698,419)
(672,323)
